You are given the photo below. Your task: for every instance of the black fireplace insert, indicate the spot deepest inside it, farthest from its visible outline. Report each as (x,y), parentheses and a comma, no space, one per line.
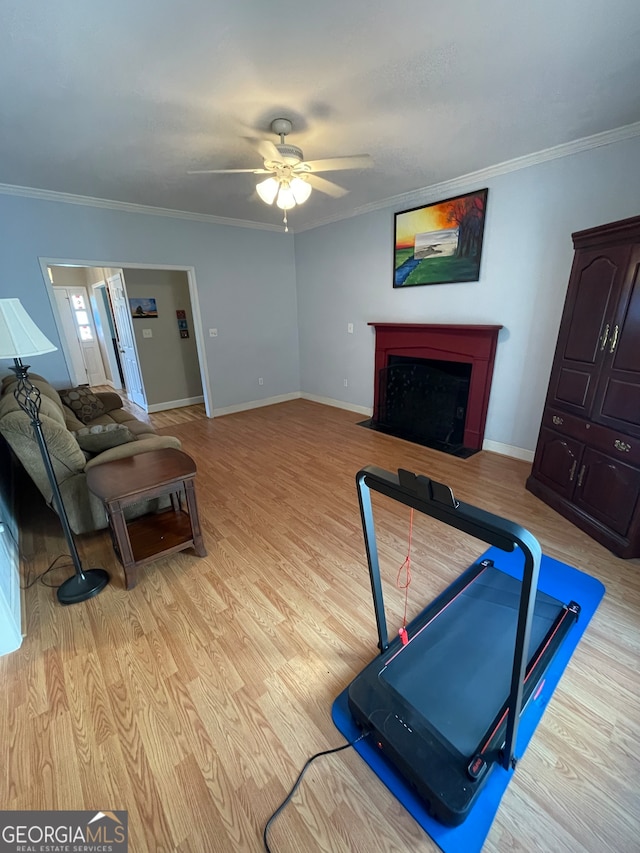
(425,401)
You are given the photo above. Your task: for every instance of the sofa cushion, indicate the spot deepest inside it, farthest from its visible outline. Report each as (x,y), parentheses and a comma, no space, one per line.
(121,416)
(110,400)
(11,378)
(97,438)
(71,421)
(66,456)
(82,402)
(10,383)
(48,407)
(142,445)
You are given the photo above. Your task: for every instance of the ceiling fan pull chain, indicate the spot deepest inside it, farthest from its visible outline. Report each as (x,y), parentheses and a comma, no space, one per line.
(284,219)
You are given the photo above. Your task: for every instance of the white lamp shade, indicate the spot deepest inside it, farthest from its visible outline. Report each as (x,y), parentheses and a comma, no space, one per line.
(286,199)
(268,190)
(19,335)
(301,190)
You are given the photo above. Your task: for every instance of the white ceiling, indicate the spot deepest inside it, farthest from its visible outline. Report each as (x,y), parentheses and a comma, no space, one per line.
(118,100)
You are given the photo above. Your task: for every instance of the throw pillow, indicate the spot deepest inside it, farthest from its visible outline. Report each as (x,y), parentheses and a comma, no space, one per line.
(83,402)
(95,439)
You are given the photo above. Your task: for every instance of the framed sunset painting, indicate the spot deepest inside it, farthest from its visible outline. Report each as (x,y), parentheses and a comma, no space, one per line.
(440,243)
(143,308)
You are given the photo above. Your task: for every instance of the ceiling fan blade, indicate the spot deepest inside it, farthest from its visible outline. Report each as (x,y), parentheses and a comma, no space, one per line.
(228,171)
(325,186)
(267,149)
(336,164)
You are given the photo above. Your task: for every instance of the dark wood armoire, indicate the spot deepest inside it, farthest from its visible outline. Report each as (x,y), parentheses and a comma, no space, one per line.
(587,460)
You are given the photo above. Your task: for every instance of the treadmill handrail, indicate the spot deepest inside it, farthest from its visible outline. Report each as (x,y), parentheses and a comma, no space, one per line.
(437,500)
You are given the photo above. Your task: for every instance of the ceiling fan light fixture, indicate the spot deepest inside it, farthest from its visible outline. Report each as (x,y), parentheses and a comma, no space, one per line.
(268,190)
(301,190)
(291,178)
(286,198)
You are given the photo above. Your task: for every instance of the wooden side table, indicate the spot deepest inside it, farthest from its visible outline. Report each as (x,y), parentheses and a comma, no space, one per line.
(123,482)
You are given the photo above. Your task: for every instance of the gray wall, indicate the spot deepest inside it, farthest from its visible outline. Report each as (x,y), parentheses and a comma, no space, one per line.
(344,275)
(245,280)
(261,296)
(69,276)
(169,363)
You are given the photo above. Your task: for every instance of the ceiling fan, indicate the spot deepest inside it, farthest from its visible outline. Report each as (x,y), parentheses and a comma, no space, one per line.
(290,177)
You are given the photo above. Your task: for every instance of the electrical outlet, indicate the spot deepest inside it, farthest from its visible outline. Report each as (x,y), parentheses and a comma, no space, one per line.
(261,381)
(147,333)
(346,384)
(213,333)
(350,328)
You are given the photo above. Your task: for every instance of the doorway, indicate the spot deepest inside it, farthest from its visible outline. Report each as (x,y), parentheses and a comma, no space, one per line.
(129,359)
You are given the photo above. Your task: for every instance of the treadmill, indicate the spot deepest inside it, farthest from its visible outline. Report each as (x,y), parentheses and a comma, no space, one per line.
(444,708)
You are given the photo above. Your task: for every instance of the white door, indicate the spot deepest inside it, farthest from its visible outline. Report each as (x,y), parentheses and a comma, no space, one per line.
(126,340)
(104,330)
(77,368)
(80,333)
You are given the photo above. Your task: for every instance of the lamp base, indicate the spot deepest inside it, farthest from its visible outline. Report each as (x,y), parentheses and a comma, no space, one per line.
(80,587)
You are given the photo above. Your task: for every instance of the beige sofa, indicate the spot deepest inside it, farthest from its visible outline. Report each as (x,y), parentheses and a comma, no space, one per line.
(62,431)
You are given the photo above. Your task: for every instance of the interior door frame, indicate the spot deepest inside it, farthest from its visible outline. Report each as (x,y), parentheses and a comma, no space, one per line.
(119,264)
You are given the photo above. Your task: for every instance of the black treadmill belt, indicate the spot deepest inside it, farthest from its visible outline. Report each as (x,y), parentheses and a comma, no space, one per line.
(456,671)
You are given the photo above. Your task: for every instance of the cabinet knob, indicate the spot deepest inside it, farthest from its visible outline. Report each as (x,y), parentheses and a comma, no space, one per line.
(558,421)
(622,446)
(572,473)
(605,336)
(581,475)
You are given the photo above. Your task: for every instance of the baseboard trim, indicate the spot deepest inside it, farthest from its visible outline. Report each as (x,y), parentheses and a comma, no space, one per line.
(508,450)
(367,411)
(255,404)
(339,404)
(174,404)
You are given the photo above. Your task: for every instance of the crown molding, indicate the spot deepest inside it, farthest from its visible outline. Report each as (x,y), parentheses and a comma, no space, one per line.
(422,195)
(451,187)
(129,207)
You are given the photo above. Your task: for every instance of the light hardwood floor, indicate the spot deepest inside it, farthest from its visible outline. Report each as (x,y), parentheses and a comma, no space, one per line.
(193,700)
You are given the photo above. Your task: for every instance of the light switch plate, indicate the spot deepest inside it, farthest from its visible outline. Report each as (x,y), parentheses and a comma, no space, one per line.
(147,333)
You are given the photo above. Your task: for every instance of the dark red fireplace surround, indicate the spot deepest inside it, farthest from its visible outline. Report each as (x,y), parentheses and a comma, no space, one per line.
(474,345)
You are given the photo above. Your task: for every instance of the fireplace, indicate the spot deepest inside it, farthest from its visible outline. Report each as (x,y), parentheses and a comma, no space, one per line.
(432,383)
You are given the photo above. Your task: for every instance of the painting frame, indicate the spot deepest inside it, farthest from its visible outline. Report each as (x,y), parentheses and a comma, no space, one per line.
(440,242)
(143,308)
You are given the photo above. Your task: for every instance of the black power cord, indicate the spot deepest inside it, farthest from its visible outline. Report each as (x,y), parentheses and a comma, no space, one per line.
(299,779)
(52,565)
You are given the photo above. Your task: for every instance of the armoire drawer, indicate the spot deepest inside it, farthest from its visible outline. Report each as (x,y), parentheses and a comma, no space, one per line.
(612,442)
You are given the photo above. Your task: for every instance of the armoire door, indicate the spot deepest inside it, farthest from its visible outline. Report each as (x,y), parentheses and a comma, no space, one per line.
(586,327)
(617,402)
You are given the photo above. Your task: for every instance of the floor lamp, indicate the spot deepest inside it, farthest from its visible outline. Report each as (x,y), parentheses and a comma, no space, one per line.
(21,338)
